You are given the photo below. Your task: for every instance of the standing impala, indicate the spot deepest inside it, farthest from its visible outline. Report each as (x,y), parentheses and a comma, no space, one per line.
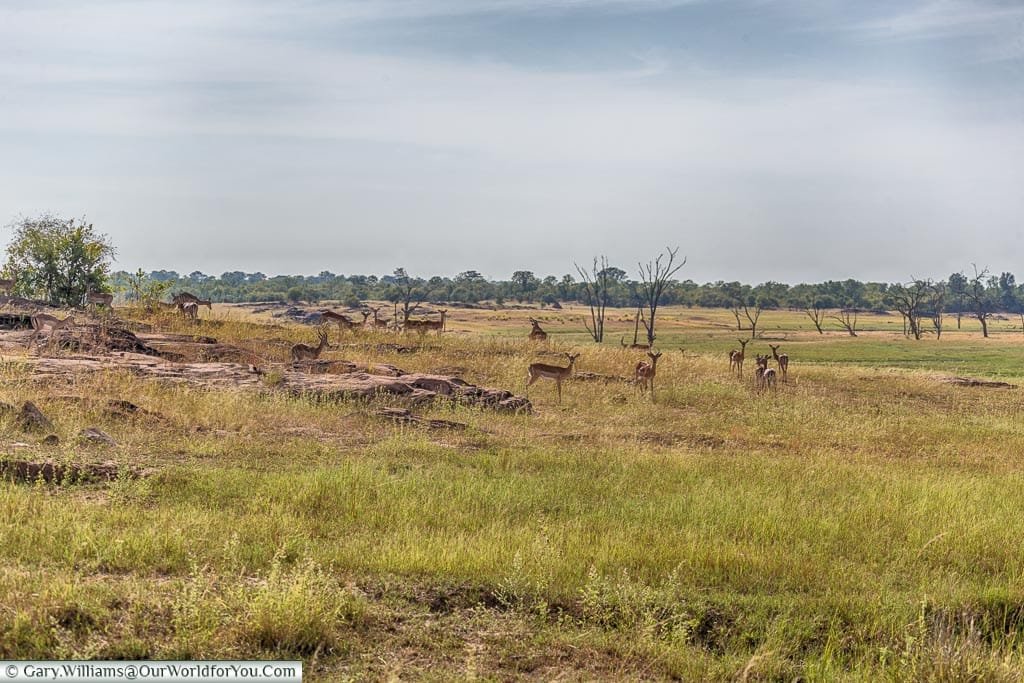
(736,357)
(537,333)
(96,299)
(344,322)
(538,371)
(782,360)
(645,372)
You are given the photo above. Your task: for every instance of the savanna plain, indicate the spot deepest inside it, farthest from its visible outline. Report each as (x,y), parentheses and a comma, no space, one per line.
(861,522)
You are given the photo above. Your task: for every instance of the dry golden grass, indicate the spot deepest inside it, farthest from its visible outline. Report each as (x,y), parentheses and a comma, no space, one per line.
(861,523)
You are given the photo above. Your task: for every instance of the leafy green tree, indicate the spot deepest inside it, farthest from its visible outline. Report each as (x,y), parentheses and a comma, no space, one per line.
(145,289)
(58,259)
(958,290)
(526,284)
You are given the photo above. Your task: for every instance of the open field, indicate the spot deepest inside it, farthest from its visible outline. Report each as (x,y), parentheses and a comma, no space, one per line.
(862,523)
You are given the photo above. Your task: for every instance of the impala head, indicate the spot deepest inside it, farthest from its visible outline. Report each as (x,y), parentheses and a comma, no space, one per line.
(572,357)
(654,357)
(743,344)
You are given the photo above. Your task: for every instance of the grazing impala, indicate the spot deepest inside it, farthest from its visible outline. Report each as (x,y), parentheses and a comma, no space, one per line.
(645,372)
(306,352)
(782,360)
(43,321)
(538,371)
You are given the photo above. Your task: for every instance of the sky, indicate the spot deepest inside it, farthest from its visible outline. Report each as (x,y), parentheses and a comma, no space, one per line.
(787,140)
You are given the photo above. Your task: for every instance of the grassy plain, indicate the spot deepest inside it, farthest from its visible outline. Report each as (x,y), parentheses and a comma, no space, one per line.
(863,523)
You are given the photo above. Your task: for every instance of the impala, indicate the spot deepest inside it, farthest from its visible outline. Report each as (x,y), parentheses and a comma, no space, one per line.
(736,357)
(641,347)
(344,322)
(99,299)
(422,326)
(537,334)
(43,321)
(782,360)
(306,352)
(538,371)
(644,372)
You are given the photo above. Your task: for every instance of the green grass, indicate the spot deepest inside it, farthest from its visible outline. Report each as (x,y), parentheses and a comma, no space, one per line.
(863,523)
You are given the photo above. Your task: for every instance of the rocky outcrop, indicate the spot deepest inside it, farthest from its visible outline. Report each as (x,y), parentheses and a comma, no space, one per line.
(413,388)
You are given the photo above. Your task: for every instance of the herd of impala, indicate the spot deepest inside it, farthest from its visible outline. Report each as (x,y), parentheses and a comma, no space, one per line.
(644,372)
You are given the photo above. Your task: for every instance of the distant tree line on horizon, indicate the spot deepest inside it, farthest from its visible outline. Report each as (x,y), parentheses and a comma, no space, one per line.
(62,260)
(978,294)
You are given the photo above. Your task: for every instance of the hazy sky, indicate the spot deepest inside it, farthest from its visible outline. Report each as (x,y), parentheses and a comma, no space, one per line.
(788,140)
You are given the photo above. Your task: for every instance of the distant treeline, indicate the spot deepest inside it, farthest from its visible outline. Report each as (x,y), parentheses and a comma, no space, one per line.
(958,293)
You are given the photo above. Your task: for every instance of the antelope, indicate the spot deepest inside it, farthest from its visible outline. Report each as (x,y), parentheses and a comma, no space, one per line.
(98,298)
(736,357)
(782,360)
(538,371)
(764,376)
(42,321)
(377,322)
(190,309)
(641,347)
(537,334)
(422,326)
(184,297)
(306,352)
(344,322)
(644,372)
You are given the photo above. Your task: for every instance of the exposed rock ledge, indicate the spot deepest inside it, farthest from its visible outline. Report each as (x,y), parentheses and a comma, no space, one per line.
(413,388)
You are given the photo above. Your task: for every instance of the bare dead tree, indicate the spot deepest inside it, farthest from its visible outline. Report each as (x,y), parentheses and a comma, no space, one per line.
(847,318)
(816,312)
(980,298)
(910,300)
(654,277)
(597,288)
(637,319)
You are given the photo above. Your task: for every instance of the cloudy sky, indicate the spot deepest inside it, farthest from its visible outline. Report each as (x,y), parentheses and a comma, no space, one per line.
(788,139)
